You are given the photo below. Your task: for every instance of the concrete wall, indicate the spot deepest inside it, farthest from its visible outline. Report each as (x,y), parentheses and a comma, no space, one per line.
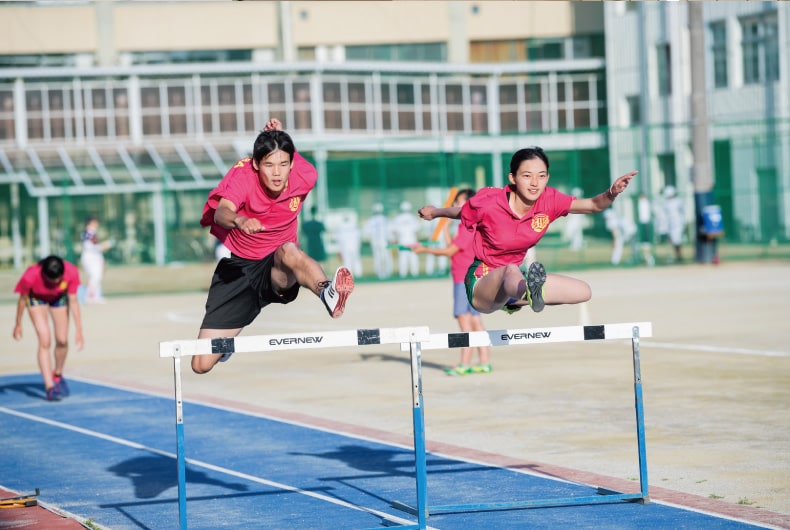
(144,26)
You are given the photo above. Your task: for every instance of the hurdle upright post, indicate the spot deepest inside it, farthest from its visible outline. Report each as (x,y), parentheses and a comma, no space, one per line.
(420,465)
(180,456)
(640,417)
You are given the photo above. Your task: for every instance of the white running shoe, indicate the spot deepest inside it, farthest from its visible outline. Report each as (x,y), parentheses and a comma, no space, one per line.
(335,293)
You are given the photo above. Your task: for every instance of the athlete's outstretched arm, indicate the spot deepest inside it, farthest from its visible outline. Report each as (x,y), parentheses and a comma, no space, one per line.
(604,200)
(429,212)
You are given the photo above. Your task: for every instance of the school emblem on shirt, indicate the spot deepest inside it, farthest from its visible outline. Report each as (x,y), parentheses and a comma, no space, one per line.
(294,204)
(241,163)
(540,222)
(63,285)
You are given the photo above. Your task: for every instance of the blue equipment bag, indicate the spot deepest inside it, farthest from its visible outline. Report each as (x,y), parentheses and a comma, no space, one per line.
(712,222)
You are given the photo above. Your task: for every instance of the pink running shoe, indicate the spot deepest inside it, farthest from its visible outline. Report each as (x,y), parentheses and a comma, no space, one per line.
(335,293)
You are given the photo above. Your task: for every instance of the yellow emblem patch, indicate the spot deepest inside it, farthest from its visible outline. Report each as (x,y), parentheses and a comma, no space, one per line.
(240,163)
(294,204)
(540,222)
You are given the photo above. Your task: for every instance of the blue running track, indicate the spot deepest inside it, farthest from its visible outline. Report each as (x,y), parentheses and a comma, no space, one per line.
(110,454)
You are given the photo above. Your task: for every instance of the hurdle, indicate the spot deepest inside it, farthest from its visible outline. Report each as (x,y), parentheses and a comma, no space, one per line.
(300,341)
(506,337)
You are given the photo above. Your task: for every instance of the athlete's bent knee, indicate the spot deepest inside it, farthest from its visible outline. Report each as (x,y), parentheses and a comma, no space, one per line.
(201,365)
(585,293)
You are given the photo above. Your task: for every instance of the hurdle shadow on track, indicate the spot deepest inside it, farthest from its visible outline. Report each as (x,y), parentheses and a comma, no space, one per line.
(400,359)
(153,475)
(121,507)
(33,390)
(380,462)
(383,464)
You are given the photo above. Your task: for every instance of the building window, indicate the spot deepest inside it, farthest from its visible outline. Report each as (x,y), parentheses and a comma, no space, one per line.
(306,53)
(545,49)
(514,50)
(39,60)
(718,32)
(634,110)
(190,56)
(666,164)
(499,51)
(430,51)
(587,46)
(7,123)
(760,49)
(664,64)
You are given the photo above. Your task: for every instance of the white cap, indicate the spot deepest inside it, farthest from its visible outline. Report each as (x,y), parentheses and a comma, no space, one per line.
(405,206)
(669,191)
(378,207)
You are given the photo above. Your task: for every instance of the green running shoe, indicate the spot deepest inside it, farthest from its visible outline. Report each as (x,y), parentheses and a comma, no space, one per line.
(459,369)
(511,308)
(482,368)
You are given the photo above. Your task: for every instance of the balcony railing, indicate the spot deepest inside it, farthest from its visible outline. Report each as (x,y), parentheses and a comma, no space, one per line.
(202,102)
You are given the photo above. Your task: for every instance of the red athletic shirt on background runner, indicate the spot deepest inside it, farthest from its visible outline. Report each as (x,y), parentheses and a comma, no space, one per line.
(501,238)
(32,283)
(460,261)
(279,217)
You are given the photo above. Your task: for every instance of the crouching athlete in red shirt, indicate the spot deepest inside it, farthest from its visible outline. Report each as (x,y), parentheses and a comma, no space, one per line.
(254,211)
(509,221)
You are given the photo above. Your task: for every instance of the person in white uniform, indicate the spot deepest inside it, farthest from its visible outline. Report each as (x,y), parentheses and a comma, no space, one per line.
(92,260)
(405,228)
(376,231)
(349,240)
(675,219)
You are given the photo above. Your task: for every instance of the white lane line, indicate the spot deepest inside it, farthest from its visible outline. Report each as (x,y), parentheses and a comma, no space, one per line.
(714,349)
(205,465)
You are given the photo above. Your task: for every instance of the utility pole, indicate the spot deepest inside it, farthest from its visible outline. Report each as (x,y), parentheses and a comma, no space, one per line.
(702,171)
(286,51)
(644,103)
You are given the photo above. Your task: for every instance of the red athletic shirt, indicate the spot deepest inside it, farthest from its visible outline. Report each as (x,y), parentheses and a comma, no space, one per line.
(460,261)
(32,283)
(279,216)
(501,238)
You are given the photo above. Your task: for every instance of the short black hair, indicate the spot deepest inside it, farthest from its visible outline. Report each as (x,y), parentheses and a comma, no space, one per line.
(268,142)
(466,192)
(52,267)
(527,153)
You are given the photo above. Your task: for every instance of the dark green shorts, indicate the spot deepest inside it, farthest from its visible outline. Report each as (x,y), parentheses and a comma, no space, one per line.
(476,270)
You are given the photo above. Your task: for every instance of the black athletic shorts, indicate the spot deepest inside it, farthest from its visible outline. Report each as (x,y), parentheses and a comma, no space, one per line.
(239,290)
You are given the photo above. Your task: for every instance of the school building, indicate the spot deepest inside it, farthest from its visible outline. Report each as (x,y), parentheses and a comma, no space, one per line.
(133,110)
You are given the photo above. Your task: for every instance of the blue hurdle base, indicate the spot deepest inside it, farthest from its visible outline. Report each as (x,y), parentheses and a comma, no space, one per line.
(605,496)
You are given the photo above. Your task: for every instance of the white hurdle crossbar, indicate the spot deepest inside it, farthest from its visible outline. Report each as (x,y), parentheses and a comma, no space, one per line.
(300,341)
(506,337)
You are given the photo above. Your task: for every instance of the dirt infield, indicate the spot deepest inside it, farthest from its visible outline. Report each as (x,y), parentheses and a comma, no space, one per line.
(716,374)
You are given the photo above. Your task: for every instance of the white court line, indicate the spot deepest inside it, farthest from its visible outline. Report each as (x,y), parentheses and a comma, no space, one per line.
(714,349)
(205,465)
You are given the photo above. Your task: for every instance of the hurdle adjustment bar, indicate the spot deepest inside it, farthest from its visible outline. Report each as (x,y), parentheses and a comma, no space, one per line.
(530,336)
